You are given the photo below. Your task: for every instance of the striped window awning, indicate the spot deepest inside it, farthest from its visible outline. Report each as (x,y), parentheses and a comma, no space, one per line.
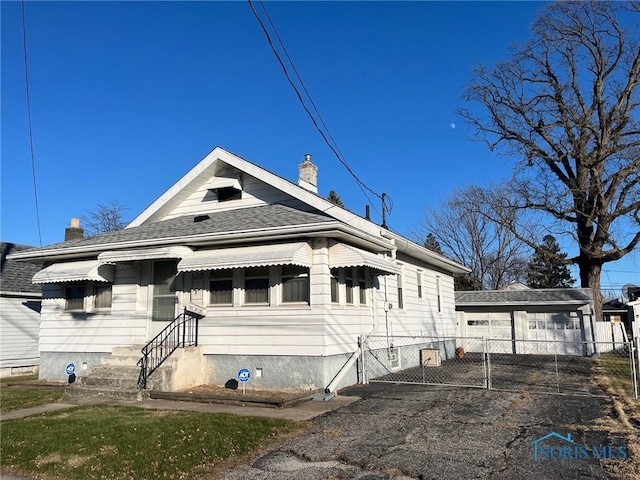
(341,255)
(86,270)
(244,257)
(157,253)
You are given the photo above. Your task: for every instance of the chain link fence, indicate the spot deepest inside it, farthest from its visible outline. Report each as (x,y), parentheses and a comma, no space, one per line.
(577,368)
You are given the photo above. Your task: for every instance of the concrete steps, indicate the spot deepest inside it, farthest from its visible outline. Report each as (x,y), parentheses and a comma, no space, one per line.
(117,375)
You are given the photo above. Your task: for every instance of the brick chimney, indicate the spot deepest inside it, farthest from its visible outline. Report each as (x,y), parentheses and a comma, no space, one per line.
(308,175)
(73,232)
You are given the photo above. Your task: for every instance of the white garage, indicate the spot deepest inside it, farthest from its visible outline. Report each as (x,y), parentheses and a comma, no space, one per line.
(524,320)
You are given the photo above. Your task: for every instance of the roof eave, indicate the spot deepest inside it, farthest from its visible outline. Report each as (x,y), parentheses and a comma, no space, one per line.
(334,229)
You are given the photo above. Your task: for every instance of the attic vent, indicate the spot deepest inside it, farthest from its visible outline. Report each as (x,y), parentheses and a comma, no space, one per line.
(201,218)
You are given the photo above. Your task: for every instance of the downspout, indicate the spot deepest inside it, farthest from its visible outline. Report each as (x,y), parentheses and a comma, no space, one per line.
(330,389)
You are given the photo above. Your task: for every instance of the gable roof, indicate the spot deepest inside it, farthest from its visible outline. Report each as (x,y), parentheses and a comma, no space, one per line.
(543,296)
(175,194)
(154,226)
(15,277)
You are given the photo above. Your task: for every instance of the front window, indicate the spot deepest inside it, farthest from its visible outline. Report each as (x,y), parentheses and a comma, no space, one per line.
(74,298)
(221,288)
(256,285)
(295,284)
(102,295)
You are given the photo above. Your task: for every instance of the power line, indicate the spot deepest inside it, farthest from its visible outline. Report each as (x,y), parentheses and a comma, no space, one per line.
(33,161)
(325,136)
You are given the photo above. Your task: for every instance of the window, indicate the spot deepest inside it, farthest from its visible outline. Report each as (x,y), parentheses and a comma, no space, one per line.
(295,284)
(256,285)
(221,287)
(102,295)
(362,287)
(226,194)
(400,298)
(74,298)
(335,286)
(419,282)
(348,282)
(438,294)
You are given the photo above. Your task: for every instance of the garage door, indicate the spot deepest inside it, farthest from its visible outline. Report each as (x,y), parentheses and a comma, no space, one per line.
(488,325)
(554,332)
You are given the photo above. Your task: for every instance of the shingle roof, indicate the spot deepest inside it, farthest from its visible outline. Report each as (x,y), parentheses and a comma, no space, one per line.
(16,276)
(260,217)
(524,297)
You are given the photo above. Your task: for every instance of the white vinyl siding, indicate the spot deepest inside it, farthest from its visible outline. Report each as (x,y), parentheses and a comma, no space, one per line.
(20,317)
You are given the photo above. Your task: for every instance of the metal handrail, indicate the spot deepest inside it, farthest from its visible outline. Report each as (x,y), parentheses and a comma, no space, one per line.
(181,332)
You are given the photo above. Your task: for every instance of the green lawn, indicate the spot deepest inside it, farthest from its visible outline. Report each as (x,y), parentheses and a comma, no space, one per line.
(617,367)
(14,398)
(115,442)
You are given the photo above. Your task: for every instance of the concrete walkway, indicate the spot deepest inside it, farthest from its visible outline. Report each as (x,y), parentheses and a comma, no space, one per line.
(300,412)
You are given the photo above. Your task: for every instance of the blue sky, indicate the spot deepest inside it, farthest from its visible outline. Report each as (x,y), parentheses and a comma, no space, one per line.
(126,97)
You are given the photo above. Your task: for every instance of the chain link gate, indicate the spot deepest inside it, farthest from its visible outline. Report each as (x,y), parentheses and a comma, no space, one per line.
(575,368)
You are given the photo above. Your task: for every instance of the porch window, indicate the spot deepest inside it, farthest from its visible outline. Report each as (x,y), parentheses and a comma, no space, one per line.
(335,286)
(362,287)
(295,284)
(256,285)
(349,291)
(221,288)
(102,296)
(74,298)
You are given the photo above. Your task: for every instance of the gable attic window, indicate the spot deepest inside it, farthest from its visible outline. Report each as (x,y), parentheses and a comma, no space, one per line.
(225,189)
(228,193)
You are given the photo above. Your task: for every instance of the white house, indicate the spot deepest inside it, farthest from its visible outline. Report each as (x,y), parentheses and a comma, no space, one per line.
(285,280)
(19,313)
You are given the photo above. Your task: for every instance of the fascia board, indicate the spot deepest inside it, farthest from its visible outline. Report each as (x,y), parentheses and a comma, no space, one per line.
(521,304)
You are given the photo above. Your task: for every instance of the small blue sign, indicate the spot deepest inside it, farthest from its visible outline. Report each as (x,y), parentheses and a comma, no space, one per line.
(244,375)
(71,369)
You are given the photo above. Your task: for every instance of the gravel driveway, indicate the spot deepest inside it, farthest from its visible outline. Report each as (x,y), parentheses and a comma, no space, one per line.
(422,432)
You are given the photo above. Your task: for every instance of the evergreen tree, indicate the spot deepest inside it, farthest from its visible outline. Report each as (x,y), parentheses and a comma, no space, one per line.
(548,266)
(431,243)
(335,199)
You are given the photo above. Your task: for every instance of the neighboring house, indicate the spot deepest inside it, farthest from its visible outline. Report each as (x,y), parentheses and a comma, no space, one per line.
(529,320)
(287,281)
(19,313)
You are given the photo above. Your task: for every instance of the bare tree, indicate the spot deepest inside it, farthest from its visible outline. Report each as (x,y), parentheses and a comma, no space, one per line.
(566,107)
(492,252)
(105,217)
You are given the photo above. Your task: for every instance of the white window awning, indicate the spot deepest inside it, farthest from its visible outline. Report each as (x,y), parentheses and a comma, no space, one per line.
(245,257)
(341,255)
(223,182)
(114,256)
(85,270)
